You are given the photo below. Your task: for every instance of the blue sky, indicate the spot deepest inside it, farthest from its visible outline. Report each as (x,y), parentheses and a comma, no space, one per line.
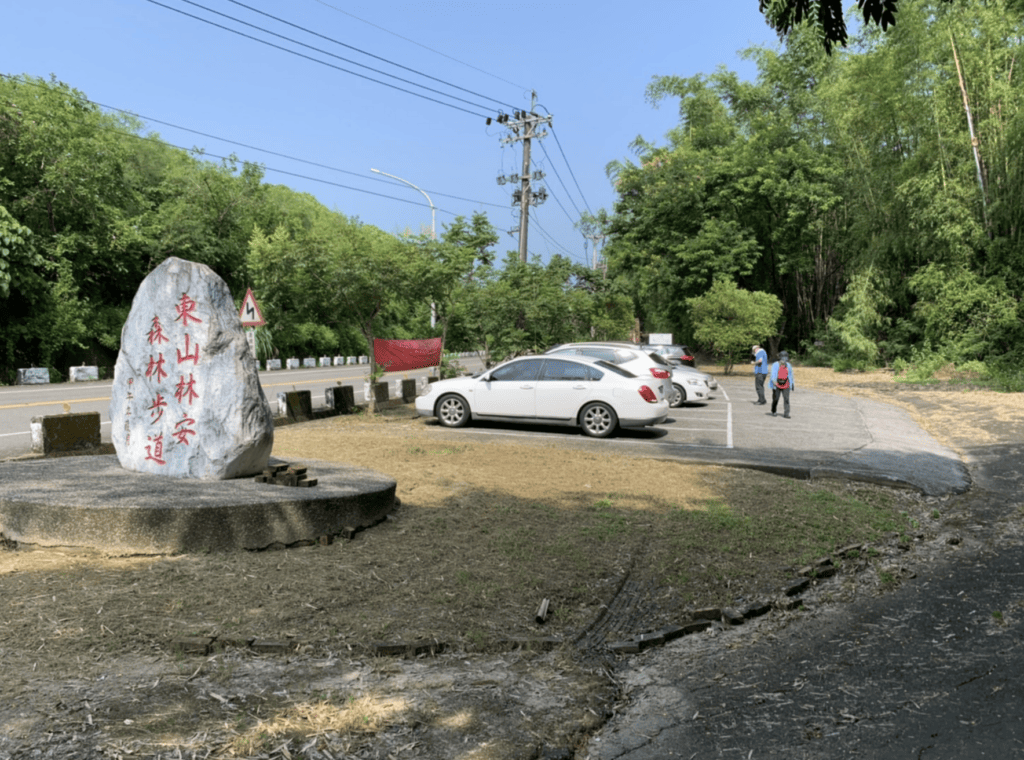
(588,62)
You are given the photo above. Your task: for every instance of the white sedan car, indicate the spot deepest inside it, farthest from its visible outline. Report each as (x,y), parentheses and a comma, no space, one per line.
(679,382)
(595,395)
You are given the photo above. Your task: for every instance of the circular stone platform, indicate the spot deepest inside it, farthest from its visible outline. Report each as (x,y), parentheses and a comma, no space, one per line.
(91,501)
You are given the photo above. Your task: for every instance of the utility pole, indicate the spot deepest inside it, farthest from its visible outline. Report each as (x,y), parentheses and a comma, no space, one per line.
(524,127)
(593,238)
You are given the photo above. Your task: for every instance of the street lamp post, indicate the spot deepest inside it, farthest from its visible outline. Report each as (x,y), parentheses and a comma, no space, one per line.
(433,228)
(433,211)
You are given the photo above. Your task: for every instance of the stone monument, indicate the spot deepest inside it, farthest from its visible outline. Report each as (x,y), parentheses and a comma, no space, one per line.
(186,400)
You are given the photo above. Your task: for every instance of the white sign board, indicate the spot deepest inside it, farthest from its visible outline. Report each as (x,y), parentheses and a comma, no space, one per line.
(660,339)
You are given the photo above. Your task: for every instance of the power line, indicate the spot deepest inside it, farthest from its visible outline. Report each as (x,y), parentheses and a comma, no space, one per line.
(568,166)
(567,193)
(414,42)
(325,63)
(358,50)
(262,150)
(552,241)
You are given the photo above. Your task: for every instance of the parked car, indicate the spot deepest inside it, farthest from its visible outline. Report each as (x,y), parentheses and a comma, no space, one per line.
(595,395)
(683,383)
(675,354)
(711,380)
(624,355)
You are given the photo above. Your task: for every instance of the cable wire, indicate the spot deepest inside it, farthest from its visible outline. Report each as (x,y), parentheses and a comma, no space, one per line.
(358,50)
(567,193)
(549,238)
(325,63)
(83,99)
(414,42)
(568,166)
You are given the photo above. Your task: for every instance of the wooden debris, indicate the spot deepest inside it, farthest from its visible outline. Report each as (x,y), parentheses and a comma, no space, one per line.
(286,475)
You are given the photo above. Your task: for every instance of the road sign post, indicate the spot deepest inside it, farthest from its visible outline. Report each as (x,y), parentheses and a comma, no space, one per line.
(251,317)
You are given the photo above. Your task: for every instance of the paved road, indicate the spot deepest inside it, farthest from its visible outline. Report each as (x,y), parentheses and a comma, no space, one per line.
(20,403)
(932,670)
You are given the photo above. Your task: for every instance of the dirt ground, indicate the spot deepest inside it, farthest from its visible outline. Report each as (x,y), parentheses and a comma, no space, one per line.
(485,532)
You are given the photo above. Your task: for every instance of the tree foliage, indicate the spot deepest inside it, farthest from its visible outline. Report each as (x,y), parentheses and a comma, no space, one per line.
(877,193)
(728,320)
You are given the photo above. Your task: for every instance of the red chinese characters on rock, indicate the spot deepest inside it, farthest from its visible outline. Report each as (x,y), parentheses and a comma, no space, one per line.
(156,411)
(156,333)
(185,390)
(182,430)
(188,357)
(155,453)
(185,309)
(156,369)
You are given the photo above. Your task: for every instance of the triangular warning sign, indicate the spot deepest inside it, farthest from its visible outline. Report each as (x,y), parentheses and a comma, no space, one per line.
(250,311)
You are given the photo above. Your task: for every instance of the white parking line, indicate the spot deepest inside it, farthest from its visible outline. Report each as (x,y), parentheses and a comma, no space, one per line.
(672,443)
(728,428)
(696,430)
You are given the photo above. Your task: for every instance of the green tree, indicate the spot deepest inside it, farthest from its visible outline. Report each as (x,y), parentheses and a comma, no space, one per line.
(339,272)
(448,265)
(728,320)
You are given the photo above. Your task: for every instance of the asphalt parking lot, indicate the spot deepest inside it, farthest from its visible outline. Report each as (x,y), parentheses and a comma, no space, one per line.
(826,436)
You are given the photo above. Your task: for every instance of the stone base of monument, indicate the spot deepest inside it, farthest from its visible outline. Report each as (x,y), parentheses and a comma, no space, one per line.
(93,502)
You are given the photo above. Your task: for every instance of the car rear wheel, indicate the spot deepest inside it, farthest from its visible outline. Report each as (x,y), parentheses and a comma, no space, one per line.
(678,397)
(452,411)
(598,420)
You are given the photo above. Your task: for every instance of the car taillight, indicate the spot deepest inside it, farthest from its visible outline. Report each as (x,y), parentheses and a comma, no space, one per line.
(661,374)
(687,358)
(648,395)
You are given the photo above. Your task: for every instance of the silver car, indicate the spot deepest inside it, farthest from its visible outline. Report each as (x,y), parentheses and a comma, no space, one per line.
(679,385)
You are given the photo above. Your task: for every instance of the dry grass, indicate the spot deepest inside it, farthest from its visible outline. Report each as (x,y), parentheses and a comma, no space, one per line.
(485,531)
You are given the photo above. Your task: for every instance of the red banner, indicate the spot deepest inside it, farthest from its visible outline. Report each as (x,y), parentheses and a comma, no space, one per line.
(401,355)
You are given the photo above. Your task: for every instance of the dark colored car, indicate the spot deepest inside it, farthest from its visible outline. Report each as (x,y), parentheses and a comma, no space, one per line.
(674,354)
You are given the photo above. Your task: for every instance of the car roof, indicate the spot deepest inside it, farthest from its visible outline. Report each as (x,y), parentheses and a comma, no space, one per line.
(597,344)
(678,346)
(582,358)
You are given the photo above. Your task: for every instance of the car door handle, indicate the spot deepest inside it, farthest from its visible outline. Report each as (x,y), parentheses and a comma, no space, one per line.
(526,387)
(579,387)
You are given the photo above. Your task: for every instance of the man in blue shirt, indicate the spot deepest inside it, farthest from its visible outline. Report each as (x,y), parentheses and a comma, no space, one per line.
(782,383)
(760,372)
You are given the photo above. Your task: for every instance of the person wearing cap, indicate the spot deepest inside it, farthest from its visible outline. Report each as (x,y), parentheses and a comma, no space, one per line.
(781,386)
(760,372)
